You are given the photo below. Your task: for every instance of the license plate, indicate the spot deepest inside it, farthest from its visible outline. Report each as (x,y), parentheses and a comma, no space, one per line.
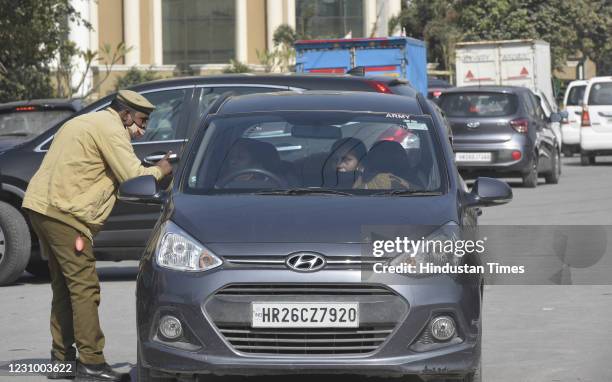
(473,157)
(305,315)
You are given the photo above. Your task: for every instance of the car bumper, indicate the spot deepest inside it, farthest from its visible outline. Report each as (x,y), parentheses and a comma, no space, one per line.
(590,140)
(501,157)
(188,297)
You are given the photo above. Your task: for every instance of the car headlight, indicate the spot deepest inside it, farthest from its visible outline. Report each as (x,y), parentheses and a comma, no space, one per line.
(434,248)
(178,251)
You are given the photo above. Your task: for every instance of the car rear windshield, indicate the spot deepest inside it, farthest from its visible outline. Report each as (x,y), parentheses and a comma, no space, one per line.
(478,104)
(601,94)
(30,123)
(575,96)
(352,153)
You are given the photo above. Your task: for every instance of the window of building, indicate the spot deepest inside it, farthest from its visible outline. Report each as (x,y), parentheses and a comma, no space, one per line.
(198,32)
(329,18)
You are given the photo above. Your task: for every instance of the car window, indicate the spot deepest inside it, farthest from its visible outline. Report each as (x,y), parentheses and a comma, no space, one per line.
(478,104)
(30,123)
(164,121)
(353,152)
(575,95)
(210,95)
(600,94)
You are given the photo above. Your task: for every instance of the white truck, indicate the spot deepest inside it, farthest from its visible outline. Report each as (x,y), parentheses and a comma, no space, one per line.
(513,62)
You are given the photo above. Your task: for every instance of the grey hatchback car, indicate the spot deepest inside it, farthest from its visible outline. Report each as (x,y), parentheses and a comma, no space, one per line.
(257,264)
(502,131)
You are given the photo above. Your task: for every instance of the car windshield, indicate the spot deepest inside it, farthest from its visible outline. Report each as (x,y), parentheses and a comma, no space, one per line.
(342,153)
(575,96)
(601,94)
(30,123)
(478,104)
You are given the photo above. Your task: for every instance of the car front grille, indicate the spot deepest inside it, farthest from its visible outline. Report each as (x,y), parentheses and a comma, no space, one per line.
(380,311)
(276,262)
(306,341)
(301,289)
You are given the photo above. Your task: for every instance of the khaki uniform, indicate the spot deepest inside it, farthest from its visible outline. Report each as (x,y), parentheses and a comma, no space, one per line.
(71,195)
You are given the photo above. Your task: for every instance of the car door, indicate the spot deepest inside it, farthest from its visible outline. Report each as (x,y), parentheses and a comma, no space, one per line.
(129,224)
(545,138)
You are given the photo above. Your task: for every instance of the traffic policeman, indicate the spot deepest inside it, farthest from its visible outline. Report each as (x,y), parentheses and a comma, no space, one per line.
(68,200)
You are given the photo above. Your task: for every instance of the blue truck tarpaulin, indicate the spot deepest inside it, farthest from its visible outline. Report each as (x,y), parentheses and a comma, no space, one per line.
(399,57)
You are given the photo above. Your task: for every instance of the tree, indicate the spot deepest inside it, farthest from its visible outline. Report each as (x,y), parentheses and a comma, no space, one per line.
(32,32)
(571,27)
(435,22)
(135,76)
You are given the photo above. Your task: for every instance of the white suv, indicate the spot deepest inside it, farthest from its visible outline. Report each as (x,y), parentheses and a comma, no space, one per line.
(596,123)
(570,125)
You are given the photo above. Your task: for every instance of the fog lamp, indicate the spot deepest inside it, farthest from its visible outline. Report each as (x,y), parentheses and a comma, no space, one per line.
(170,327)
(443,328)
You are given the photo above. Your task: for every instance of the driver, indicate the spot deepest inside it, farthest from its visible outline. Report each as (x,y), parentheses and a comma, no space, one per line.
(249,154)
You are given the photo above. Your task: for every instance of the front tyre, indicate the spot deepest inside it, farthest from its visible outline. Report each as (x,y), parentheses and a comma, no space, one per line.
(15,243)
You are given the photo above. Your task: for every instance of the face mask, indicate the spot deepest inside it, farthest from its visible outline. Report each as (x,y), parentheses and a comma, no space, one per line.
(135,131)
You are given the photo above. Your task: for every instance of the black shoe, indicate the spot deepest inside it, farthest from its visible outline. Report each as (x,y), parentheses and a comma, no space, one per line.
(94,373)
(69,371)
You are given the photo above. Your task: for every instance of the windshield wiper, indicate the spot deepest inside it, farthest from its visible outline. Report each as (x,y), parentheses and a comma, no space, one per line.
(14,135)
(407,193)
(303,191)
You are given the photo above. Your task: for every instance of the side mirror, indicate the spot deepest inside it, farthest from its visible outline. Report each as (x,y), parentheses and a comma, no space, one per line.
(142,189)
(489,192)
(555,117)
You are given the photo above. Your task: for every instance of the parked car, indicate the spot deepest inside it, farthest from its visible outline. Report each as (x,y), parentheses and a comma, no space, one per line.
(282,231)
(596,121)
(435,87)
(570,125)
(502,131)
(180,105)
(24,120)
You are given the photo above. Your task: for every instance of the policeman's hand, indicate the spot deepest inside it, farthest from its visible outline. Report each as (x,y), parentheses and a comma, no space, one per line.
(164,164)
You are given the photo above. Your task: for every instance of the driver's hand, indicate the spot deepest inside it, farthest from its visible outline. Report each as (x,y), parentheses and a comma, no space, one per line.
(164,164)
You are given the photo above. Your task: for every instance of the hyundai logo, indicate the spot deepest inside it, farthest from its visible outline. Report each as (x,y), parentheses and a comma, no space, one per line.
(473,125)
(305,262)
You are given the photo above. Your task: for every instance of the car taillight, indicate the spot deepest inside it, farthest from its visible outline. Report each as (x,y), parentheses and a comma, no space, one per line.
(380,87)
(521,125)
(586,118)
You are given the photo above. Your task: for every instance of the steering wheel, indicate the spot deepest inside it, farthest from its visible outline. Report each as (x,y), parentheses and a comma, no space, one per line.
(256,171)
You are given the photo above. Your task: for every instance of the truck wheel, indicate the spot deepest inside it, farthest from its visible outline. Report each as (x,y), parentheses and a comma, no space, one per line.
(555,172)
(530,179)
(14,243)
(567,152)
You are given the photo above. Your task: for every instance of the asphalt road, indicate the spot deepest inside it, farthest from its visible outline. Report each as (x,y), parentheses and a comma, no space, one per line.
(532,333)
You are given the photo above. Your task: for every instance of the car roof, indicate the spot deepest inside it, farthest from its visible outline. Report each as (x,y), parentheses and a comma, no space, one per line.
(45,104)
(435,82)
(306,81)
(487,88)
(321,101)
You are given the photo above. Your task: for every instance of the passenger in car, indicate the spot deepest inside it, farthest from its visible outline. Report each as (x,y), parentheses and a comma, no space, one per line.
(343,166)
(382,168)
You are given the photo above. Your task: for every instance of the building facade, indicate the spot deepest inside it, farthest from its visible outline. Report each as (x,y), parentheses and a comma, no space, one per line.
(203,35)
